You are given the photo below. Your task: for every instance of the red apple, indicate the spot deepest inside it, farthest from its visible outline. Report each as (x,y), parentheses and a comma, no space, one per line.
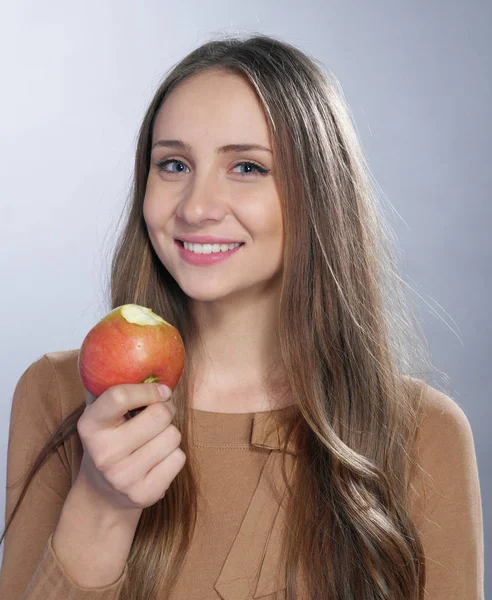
(131,344)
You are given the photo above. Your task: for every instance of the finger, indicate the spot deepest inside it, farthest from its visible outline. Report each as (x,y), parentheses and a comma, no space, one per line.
(133,434)
(163,474)
(110,408)
(139,464)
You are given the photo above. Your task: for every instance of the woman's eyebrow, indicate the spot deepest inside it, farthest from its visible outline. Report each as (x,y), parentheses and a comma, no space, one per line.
(223,149)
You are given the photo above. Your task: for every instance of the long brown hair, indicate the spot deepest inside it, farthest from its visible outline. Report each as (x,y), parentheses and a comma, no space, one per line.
(350,345)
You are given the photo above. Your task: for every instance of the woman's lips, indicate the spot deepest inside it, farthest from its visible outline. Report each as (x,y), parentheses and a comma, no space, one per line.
(204,259)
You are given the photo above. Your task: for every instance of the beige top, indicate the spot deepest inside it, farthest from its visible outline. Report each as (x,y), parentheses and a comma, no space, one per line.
(233,555)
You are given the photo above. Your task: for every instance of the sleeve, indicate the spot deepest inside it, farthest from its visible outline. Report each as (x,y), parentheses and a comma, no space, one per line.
(30,569)
(446,503)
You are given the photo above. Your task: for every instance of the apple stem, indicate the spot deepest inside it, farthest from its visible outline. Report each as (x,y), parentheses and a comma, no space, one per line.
(151,380)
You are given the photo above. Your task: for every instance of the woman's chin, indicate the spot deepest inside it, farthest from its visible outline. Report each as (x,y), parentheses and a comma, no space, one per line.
(208,292)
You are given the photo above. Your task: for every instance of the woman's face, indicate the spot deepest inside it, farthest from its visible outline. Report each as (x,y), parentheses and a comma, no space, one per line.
(196,187)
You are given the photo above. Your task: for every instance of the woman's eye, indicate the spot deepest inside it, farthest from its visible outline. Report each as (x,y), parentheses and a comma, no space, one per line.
(161,165)
(250,167)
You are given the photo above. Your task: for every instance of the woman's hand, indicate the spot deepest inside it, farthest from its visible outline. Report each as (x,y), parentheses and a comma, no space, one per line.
(130,462)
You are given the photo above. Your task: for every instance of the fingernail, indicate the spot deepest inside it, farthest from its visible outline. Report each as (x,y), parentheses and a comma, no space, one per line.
(164,391)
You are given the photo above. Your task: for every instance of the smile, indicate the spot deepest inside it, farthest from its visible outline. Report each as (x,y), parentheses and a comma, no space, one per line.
(206,254)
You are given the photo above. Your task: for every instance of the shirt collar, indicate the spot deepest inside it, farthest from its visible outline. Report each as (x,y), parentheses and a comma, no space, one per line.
(267,433)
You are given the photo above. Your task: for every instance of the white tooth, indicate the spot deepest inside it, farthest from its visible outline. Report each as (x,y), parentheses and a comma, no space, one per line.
(209,248)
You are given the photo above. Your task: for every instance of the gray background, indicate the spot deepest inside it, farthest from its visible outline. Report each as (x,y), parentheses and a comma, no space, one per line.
(77,78)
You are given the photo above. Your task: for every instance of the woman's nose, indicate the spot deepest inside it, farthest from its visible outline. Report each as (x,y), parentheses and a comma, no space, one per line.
(203,200)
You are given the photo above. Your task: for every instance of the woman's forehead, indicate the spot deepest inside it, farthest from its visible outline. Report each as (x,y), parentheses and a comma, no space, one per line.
(215,105)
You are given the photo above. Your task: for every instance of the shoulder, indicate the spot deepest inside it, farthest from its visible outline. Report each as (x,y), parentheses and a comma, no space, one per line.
(444,472)
(64,363)
(51,381)
(441,421)
(444,497)
(54,362)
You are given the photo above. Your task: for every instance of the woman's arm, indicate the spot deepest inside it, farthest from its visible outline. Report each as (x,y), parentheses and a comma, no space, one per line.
(92,540)
(446,501)
(31,569)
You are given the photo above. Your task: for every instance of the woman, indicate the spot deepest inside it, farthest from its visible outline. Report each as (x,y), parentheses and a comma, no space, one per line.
(317,460)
